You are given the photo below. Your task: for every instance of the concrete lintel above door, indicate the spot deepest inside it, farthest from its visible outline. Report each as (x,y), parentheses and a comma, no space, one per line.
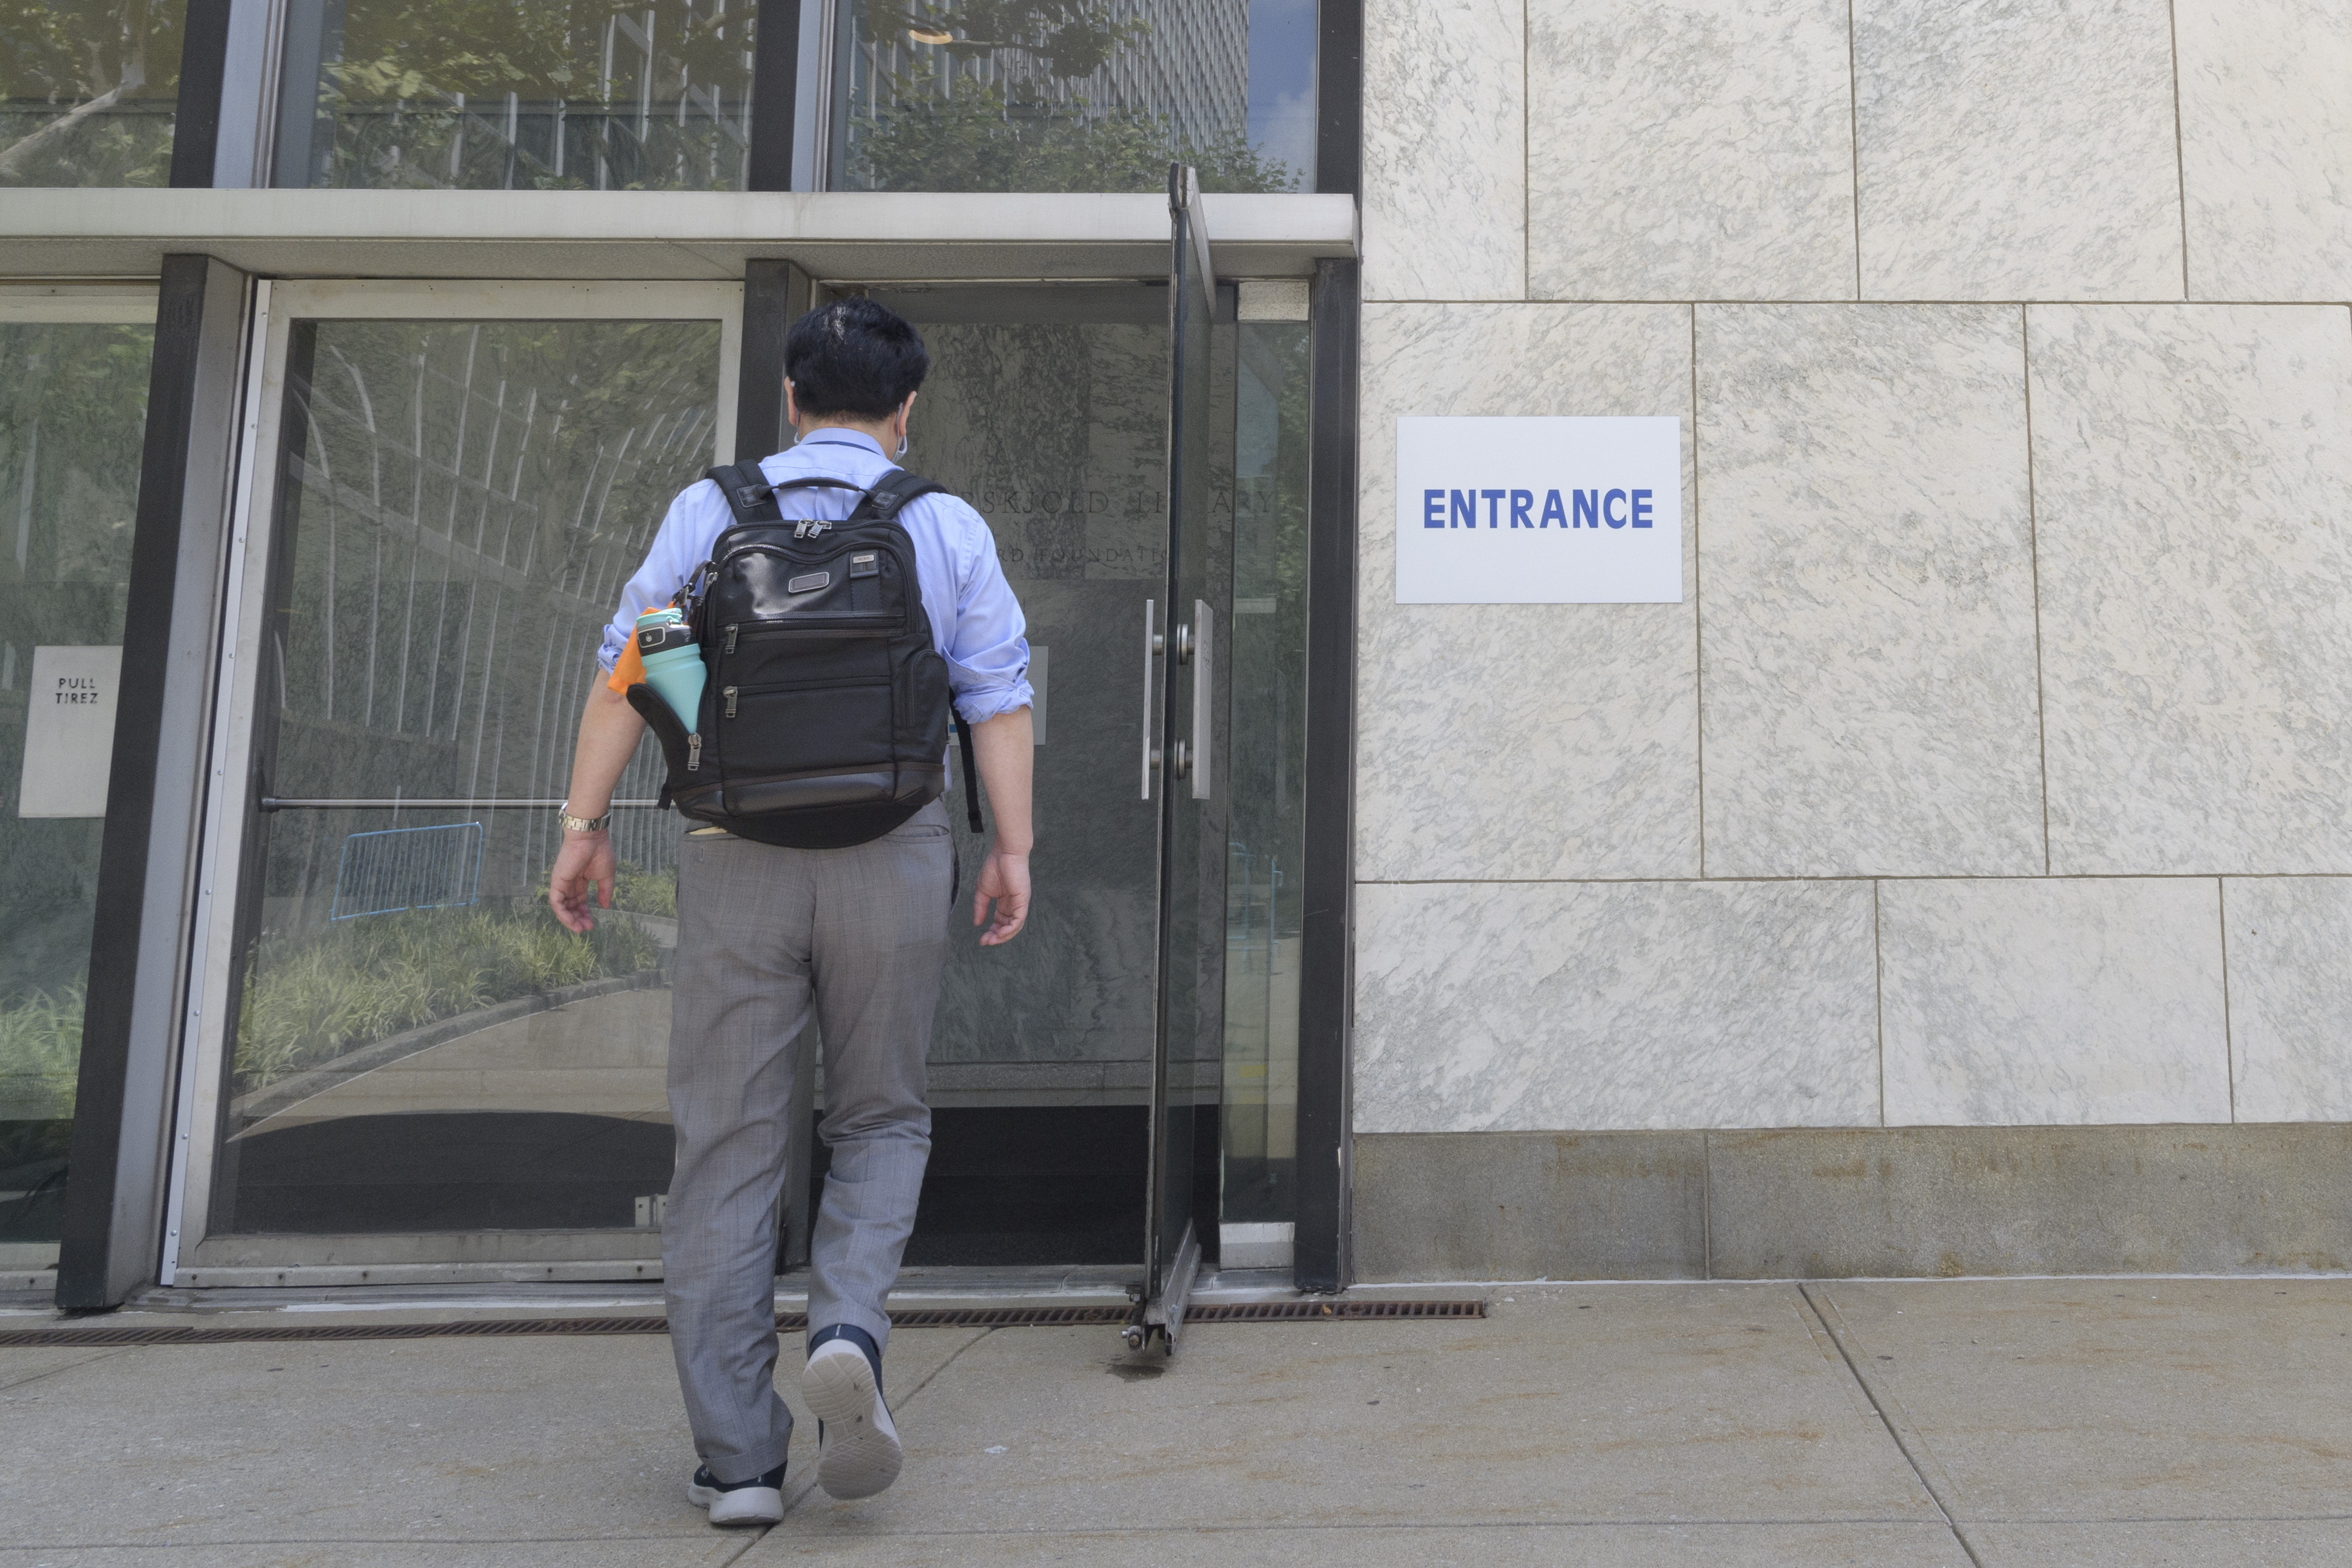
(652,234)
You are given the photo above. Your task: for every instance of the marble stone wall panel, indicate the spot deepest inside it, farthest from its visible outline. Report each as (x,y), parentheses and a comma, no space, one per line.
(1689,148)
(2266,147)
(2290,948)
(2016,150)
(1581,1006)
(1866,657)
(2038,1001)
(2193,483)
(1520,740)
(1444,159)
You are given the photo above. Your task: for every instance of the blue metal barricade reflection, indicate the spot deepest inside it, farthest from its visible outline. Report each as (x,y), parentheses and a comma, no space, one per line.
(408,869)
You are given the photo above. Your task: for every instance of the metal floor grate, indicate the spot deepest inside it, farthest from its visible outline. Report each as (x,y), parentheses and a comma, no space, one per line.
(1299,1311)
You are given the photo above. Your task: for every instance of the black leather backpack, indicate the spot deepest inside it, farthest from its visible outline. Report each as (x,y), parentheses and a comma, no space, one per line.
(825,710)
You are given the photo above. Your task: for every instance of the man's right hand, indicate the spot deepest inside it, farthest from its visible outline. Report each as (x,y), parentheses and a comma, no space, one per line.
(1003,882)
(585,860)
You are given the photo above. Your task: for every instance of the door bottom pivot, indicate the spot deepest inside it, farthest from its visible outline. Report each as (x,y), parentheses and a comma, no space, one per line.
(1163,1315)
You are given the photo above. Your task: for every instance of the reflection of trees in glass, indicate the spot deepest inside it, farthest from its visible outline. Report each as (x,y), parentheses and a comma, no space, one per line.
(1049,95)
(88,91)
(73,413)
(466,499)
(471,497)
(365,980)
(527,95)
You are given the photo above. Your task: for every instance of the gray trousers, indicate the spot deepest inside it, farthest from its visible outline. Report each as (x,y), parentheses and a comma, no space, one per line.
(764,933)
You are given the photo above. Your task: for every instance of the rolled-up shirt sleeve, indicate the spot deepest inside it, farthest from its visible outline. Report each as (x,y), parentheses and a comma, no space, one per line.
(988,651)
(678,549)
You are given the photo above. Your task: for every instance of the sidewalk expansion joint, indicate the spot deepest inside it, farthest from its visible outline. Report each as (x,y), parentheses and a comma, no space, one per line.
(1908,1441)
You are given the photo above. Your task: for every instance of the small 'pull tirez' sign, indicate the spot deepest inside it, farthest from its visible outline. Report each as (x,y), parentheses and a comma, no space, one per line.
(70,732)
(1539,509)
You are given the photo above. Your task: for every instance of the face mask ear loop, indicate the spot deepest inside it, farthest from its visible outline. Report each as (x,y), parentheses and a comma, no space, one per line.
(902,446)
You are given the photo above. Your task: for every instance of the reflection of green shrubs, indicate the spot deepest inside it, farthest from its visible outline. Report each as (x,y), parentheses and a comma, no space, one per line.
(646,892)
(40,1054)
(312,998)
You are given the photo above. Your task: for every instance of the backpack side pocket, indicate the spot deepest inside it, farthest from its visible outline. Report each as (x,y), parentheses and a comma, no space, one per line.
(678,748)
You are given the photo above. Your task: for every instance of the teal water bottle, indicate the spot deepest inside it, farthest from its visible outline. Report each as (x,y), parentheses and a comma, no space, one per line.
(673,661)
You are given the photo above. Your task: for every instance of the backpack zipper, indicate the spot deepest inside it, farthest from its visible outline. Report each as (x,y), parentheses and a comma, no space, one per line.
(731,628)
(694,753)
(730,694)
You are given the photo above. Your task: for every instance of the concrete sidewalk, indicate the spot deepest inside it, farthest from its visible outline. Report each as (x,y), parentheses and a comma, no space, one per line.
(2013,1422)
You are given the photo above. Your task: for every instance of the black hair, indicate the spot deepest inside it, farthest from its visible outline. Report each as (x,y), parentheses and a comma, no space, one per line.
(852,356)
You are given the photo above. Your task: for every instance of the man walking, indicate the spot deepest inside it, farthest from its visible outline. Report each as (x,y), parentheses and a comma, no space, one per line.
(765,934)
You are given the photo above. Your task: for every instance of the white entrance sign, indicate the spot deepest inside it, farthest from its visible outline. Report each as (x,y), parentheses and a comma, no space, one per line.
(1523,510)
(69,731)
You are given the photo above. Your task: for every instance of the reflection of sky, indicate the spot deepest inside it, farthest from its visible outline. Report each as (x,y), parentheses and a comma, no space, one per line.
(1282,83)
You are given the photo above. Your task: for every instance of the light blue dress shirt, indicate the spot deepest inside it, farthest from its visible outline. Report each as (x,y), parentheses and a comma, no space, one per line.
(976,623)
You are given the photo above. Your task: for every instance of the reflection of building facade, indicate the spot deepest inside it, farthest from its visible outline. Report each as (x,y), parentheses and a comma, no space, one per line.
(1192,68)
(1188,67)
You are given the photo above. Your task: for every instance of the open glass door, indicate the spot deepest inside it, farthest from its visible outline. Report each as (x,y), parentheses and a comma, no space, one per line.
(1184,761)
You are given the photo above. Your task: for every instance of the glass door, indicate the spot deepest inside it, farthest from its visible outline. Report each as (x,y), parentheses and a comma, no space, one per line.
(73,410)
(403,1059)
(1185,762)
(1075,1074)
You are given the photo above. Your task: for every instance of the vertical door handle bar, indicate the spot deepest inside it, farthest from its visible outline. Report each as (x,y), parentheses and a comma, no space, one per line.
(1150,653)
(1205,712)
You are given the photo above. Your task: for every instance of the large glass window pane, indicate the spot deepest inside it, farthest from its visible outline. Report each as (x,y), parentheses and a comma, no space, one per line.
(417,1045)
(1073,95)
(88,90)
(73,408)
(1268,754)
(517,95)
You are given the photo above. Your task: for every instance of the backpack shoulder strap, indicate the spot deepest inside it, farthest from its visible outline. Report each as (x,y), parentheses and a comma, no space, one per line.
(891,492)
(747,491)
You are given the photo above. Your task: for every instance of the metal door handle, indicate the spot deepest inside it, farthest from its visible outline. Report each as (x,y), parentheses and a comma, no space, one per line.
(1152,642)
(1197,647)
(1184,761)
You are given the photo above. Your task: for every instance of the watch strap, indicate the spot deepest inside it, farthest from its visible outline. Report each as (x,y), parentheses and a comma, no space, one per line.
(571,824)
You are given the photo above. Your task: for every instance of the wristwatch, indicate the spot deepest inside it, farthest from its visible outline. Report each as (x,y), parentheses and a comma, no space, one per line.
(571,824)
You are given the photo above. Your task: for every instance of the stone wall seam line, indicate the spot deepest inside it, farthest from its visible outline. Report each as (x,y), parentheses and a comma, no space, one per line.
(2179,137)
(1706,1204)
(1878,979)
(1698,607)
(2228,1034)
(2034,561)
(1854,141)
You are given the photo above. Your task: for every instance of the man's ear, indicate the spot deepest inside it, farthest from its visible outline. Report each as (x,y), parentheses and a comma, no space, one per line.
(791,409)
